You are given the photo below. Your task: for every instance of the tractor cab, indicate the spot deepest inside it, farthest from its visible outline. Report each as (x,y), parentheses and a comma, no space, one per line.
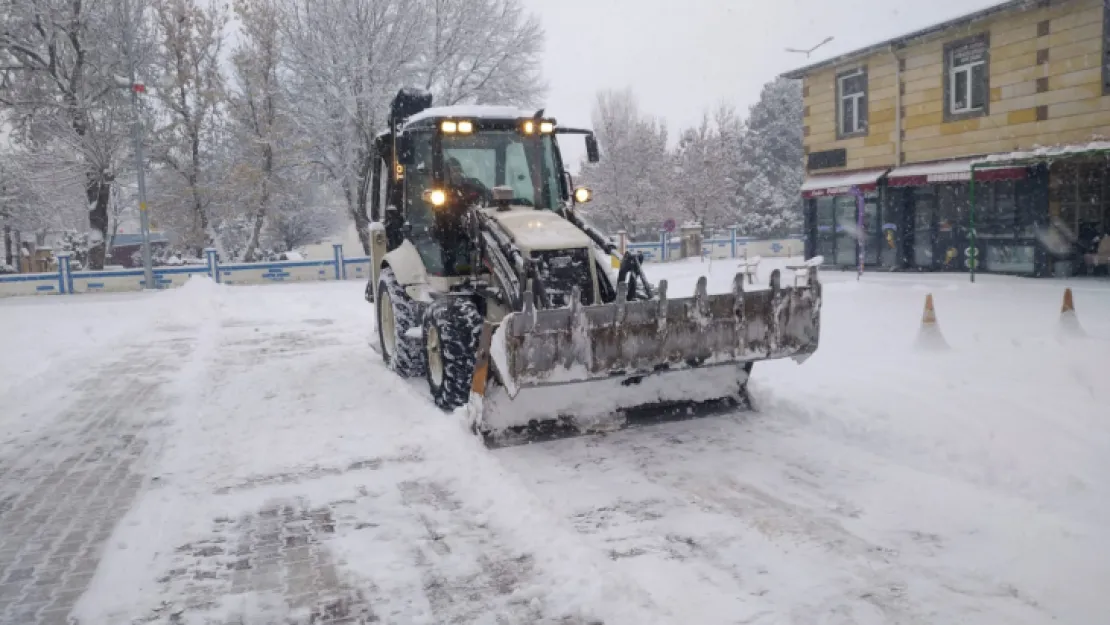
(435,165)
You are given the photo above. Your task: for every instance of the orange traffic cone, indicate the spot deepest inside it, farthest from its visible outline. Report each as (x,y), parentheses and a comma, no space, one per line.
(930,315)
(929,336)
(1069,321)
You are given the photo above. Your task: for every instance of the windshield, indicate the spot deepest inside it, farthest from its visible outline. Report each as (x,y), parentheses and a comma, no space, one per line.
(477,163)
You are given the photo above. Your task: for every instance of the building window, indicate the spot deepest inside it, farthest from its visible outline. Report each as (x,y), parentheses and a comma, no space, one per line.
(967,83)
(851,89)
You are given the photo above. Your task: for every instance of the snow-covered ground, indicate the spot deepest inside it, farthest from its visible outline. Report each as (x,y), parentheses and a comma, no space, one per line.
(239,455)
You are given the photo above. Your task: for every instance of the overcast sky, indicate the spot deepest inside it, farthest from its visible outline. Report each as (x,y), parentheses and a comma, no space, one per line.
(682,57)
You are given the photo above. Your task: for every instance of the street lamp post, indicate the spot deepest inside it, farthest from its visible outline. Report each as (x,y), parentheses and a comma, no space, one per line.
(137,89)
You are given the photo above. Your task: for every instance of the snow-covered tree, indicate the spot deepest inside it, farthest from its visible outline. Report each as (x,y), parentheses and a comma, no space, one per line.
(632,183)
(725,171)
(347,59)
(262,143)
(769,200)
(707,159)
(60,85)
(305,218)
(42,189)
(190,94)
(78,244)
(482,51)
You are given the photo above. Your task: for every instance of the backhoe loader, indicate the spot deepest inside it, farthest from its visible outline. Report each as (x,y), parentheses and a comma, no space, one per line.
(525,320)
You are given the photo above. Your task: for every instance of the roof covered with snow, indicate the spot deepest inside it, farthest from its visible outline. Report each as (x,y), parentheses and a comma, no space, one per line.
(849,179)
(124,240)
(960,166)
(930,169)
(901,41)
(481,111)
(1047,152)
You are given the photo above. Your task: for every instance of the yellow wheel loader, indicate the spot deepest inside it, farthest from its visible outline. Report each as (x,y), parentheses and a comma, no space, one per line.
(487,283)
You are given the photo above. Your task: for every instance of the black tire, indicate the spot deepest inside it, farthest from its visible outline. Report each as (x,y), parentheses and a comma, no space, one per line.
(452,326)
(369,295)
(402,353)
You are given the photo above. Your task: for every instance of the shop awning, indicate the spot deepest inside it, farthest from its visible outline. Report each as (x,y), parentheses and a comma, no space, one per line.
(841,184)
(950,171)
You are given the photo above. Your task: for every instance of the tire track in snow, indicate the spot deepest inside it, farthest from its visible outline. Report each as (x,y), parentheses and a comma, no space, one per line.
(698,502)
(74,478)
(459,589)
(270,565)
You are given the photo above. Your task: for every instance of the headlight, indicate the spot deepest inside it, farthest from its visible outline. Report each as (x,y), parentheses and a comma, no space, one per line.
(529,127)
(547,127)
(466,127)
(449,127)
(435,197)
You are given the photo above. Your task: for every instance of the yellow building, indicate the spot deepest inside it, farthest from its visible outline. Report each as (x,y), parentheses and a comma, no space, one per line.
(891,131)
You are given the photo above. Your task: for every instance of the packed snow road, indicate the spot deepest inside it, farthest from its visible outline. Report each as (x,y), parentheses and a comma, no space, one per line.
(240,455)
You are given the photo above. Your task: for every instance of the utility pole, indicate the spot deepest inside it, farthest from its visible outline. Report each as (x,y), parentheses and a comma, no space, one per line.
(138,88)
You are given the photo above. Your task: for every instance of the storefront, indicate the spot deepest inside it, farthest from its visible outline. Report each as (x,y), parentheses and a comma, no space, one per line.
(1035,214)
(1078,211)
(832,217)
(935,201)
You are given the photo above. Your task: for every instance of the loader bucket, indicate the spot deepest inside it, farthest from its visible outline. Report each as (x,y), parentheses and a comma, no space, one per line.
(584,369)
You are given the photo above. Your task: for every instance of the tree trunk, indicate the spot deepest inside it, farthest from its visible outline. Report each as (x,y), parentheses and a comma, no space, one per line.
(362,225)
(256,230)
(17,236)
(98,192)
(362,222)
(263,203)
(7,245)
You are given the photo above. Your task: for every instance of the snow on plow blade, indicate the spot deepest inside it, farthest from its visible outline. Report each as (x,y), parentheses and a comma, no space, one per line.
(583,369)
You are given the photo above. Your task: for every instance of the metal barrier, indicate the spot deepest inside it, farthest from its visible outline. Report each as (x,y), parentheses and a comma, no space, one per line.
(65,281)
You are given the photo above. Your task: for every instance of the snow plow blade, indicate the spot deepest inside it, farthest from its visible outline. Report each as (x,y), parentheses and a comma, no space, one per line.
(584,369)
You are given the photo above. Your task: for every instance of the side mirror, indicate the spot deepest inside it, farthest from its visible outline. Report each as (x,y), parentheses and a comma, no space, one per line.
(593,154)
(405,154)
(583,195)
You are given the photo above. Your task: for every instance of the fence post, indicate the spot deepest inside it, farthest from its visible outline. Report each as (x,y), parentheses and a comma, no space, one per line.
(622,241)
(340,268)
(213,264)
(663,246)
(65,280)
(732,239)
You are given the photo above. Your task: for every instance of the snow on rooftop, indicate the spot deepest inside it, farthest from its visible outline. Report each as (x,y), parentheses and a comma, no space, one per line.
(842,180)
(473,110)
(962,166)
(928,169)
(1047,152)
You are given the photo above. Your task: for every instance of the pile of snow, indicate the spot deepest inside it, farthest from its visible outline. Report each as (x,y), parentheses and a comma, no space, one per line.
(682,275)
(192,302)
